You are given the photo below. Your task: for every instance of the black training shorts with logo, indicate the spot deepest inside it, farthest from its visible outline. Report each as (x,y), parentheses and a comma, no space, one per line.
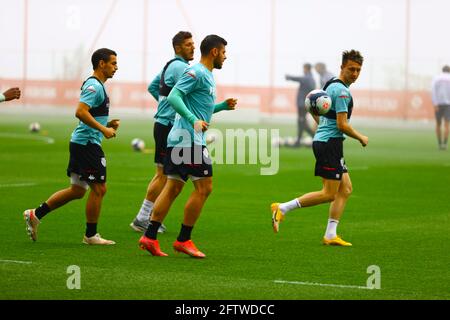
(188,161)
(88,161)
(330,163)
(160,133)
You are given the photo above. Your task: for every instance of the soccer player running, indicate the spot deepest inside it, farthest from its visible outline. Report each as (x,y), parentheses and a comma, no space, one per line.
(328,151)
(87,163)
(160,88)
(193,97)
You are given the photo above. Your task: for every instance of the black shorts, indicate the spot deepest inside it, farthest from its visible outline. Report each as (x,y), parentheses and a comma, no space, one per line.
(87,161)
(443,112)
(188,161)
(330,163)
(160,133)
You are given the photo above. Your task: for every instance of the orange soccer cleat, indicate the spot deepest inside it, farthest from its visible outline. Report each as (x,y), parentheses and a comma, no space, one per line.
(338,241)
(277,216)
(151,246)
(189,248)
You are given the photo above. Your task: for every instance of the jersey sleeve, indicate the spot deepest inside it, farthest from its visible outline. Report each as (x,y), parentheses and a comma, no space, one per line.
(91,95)
(153,87)
(189,81)
(342,99)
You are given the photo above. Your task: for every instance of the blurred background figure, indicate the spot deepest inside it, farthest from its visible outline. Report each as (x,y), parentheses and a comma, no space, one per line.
(306,84)
(440,95)
(10,94)
(324,74)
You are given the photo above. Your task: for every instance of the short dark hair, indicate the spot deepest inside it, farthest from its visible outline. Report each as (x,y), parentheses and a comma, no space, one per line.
(178,39)
(307,66)
(446,68)
(101,54)
(210,42)
(352,55)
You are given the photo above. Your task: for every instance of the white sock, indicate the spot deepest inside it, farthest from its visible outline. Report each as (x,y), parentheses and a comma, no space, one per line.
(290,205)
(146,209)
(331,229)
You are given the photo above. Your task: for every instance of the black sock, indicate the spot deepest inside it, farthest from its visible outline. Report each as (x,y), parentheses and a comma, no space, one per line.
(152,229)
(91,229)
(42,210)
(185,233)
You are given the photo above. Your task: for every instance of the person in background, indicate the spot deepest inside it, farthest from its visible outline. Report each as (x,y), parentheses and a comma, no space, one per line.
(440,96)
(306,85)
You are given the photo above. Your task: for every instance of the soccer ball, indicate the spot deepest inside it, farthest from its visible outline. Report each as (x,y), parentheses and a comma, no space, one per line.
(277,142)
(290,141)
(210,138)
(307,141)
(318,102)
(34,127)
(138,144)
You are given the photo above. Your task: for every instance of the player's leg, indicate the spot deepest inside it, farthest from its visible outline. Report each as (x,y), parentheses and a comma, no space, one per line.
(201,175)
(446,133)
(154,189)
(33,217)
(171,190)
(336,210)
(300,125)
(195,203)
(93,208)
(192,211)
(327,194)
(328,166)
(156,185)
(439,117)
(446,127)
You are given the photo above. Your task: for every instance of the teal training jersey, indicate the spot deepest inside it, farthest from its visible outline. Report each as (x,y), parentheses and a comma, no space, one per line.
(92,94)
(165,113)
(199,89)
(340,99)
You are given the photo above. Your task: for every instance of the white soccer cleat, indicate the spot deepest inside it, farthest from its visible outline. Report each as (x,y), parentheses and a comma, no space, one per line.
(32,223)
(141,226)
(97,239)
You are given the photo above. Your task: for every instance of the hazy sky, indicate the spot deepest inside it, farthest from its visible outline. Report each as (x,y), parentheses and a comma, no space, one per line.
(266,37)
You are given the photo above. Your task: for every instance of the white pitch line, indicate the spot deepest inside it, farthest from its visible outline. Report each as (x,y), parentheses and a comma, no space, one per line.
(322,284)
(26,137)
(16,261)
(17,185)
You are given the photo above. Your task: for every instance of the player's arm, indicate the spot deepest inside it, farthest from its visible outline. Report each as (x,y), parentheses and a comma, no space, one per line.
(10,94)
(229,104)
(153,87)
(316,118)
(83,114)
(292,78)
(175,98)
(345,127)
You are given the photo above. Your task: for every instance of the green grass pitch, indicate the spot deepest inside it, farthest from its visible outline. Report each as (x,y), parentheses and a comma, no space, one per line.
(397,219)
